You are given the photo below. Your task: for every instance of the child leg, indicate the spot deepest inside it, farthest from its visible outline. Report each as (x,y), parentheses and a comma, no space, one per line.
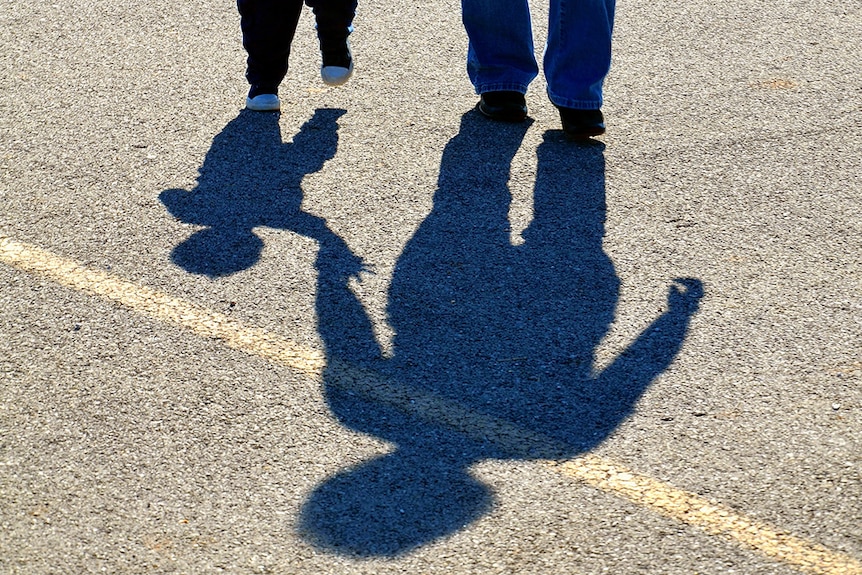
(334,24)
(268,27)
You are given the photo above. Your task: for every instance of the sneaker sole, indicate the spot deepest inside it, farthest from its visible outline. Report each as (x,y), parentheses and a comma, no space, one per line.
(336,75)
(263,103)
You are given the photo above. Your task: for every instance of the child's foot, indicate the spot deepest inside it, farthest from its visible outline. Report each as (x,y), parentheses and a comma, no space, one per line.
(337,64)
(263,99)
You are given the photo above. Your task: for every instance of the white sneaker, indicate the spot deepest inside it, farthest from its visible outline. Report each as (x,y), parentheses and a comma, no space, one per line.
(263,103)
(338,74)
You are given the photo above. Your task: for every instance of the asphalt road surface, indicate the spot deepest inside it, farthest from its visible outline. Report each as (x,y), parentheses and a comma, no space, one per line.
(377,333)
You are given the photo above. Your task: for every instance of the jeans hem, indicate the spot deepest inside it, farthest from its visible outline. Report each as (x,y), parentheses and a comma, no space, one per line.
(502,87)
(574,104)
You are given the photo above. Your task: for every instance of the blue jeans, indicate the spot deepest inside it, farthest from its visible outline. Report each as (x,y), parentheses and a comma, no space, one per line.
(577,56)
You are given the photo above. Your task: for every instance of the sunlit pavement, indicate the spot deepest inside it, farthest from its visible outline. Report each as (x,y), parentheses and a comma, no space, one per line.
(377,333)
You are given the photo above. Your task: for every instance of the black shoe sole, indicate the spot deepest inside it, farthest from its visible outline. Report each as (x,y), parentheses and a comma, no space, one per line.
(511,113)
(584,134)
(582,124)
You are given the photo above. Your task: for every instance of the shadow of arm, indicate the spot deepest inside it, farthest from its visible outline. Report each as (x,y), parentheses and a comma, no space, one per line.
(655,349)
(343,323)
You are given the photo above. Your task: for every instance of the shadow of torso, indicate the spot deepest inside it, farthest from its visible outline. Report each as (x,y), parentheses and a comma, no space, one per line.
(504,336)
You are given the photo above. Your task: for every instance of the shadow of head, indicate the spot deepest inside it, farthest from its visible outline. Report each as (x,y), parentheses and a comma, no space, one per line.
(391,505)
(249,178)
(494,347)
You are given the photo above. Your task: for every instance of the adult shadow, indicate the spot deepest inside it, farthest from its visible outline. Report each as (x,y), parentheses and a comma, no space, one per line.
(507,332)
(251,178)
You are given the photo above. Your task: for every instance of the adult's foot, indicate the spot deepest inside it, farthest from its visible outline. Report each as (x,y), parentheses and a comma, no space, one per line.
(503,105)
(582,124)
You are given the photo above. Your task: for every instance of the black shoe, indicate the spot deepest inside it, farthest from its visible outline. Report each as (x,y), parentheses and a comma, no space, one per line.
(337,66)
(258,89)
(504,106)
(582,124)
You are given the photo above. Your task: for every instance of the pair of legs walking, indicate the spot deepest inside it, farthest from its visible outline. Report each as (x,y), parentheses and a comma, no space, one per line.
(501,61)
(268,27)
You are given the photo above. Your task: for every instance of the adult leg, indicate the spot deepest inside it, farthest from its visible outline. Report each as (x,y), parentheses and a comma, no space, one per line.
(578,54)
(268,27)
(500,55)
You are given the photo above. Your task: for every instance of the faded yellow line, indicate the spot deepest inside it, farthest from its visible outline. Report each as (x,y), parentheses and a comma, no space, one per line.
(599,472)
(713,518)
(162,307)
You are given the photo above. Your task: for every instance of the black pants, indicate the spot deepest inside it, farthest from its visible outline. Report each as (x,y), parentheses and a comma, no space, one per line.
(268,27)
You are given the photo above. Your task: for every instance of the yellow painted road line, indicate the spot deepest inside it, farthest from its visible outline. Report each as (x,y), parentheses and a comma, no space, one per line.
(713,518)
(162,307)
(599,472)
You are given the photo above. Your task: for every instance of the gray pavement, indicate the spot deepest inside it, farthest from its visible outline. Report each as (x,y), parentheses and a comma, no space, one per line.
(482,299)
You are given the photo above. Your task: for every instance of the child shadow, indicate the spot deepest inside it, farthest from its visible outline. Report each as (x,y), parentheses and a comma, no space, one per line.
(509,332)
(251,178)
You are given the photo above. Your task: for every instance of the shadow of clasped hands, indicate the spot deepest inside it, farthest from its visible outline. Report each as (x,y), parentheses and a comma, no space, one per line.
(506,332)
